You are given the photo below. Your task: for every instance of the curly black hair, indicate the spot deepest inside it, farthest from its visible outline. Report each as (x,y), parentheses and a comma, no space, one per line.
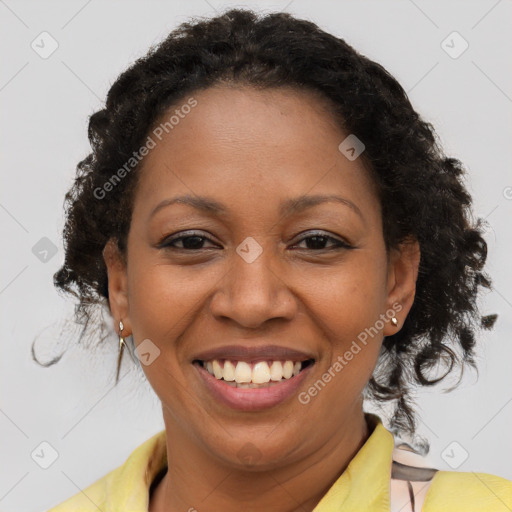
(421,190)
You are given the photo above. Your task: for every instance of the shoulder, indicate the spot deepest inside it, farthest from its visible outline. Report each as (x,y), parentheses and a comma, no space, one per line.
(125,487)
(454,491)
(92,498)
(427,489)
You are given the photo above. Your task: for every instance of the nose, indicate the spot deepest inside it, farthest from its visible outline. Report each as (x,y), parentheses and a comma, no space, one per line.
(250,294)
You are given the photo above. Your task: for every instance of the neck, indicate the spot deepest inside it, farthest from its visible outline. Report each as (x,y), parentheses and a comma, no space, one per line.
(197,480)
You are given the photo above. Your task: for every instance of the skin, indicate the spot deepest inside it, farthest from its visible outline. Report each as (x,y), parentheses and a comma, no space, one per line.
(251,150)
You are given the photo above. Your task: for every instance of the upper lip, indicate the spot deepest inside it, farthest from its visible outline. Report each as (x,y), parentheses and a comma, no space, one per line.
(250,354)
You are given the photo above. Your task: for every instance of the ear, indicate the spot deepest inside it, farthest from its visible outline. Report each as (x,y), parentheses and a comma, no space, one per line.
(403,267)
(117,286)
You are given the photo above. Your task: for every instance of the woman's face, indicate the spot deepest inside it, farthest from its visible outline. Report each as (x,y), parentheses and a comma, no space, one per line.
(251,281)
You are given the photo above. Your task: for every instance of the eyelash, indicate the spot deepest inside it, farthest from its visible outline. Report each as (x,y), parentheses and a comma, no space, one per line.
(166,242)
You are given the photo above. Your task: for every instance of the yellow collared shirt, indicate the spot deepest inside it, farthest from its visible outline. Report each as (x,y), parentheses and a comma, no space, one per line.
(363,487)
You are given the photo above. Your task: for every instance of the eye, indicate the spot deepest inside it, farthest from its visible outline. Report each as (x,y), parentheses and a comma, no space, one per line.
(318,239)
(191,240)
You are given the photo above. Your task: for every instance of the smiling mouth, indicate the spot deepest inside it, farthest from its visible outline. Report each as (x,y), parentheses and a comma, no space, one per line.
(258,374)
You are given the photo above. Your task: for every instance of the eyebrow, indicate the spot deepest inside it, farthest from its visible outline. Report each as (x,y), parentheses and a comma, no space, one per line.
(288,207)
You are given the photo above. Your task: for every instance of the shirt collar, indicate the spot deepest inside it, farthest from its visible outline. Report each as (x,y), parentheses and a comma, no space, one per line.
(364,485)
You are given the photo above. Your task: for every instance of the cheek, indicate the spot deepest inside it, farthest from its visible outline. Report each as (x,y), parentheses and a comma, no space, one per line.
(163,303)
(347,311)
(163,300)
(350,298)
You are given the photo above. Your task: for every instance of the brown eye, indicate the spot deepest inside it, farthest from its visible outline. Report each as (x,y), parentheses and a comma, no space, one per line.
(318,241)
(190,241)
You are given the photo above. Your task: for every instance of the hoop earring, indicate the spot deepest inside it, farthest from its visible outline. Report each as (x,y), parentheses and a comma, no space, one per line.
(122,344)
(394,321)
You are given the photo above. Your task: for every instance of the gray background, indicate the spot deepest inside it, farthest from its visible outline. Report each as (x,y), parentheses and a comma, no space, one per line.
(73,405)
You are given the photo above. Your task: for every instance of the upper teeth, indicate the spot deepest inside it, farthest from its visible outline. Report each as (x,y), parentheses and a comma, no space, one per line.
(257,373)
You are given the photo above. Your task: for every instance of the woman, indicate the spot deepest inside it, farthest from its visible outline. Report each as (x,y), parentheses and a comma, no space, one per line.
(278,236)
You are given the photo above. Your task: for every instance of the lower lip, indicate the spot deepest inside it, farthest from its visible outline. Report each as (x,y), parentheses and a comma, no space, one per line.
(252,399)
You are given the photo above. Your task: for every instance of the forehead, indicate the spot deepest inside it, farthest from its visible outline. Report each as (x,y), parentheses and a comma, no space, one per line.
(252,144)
